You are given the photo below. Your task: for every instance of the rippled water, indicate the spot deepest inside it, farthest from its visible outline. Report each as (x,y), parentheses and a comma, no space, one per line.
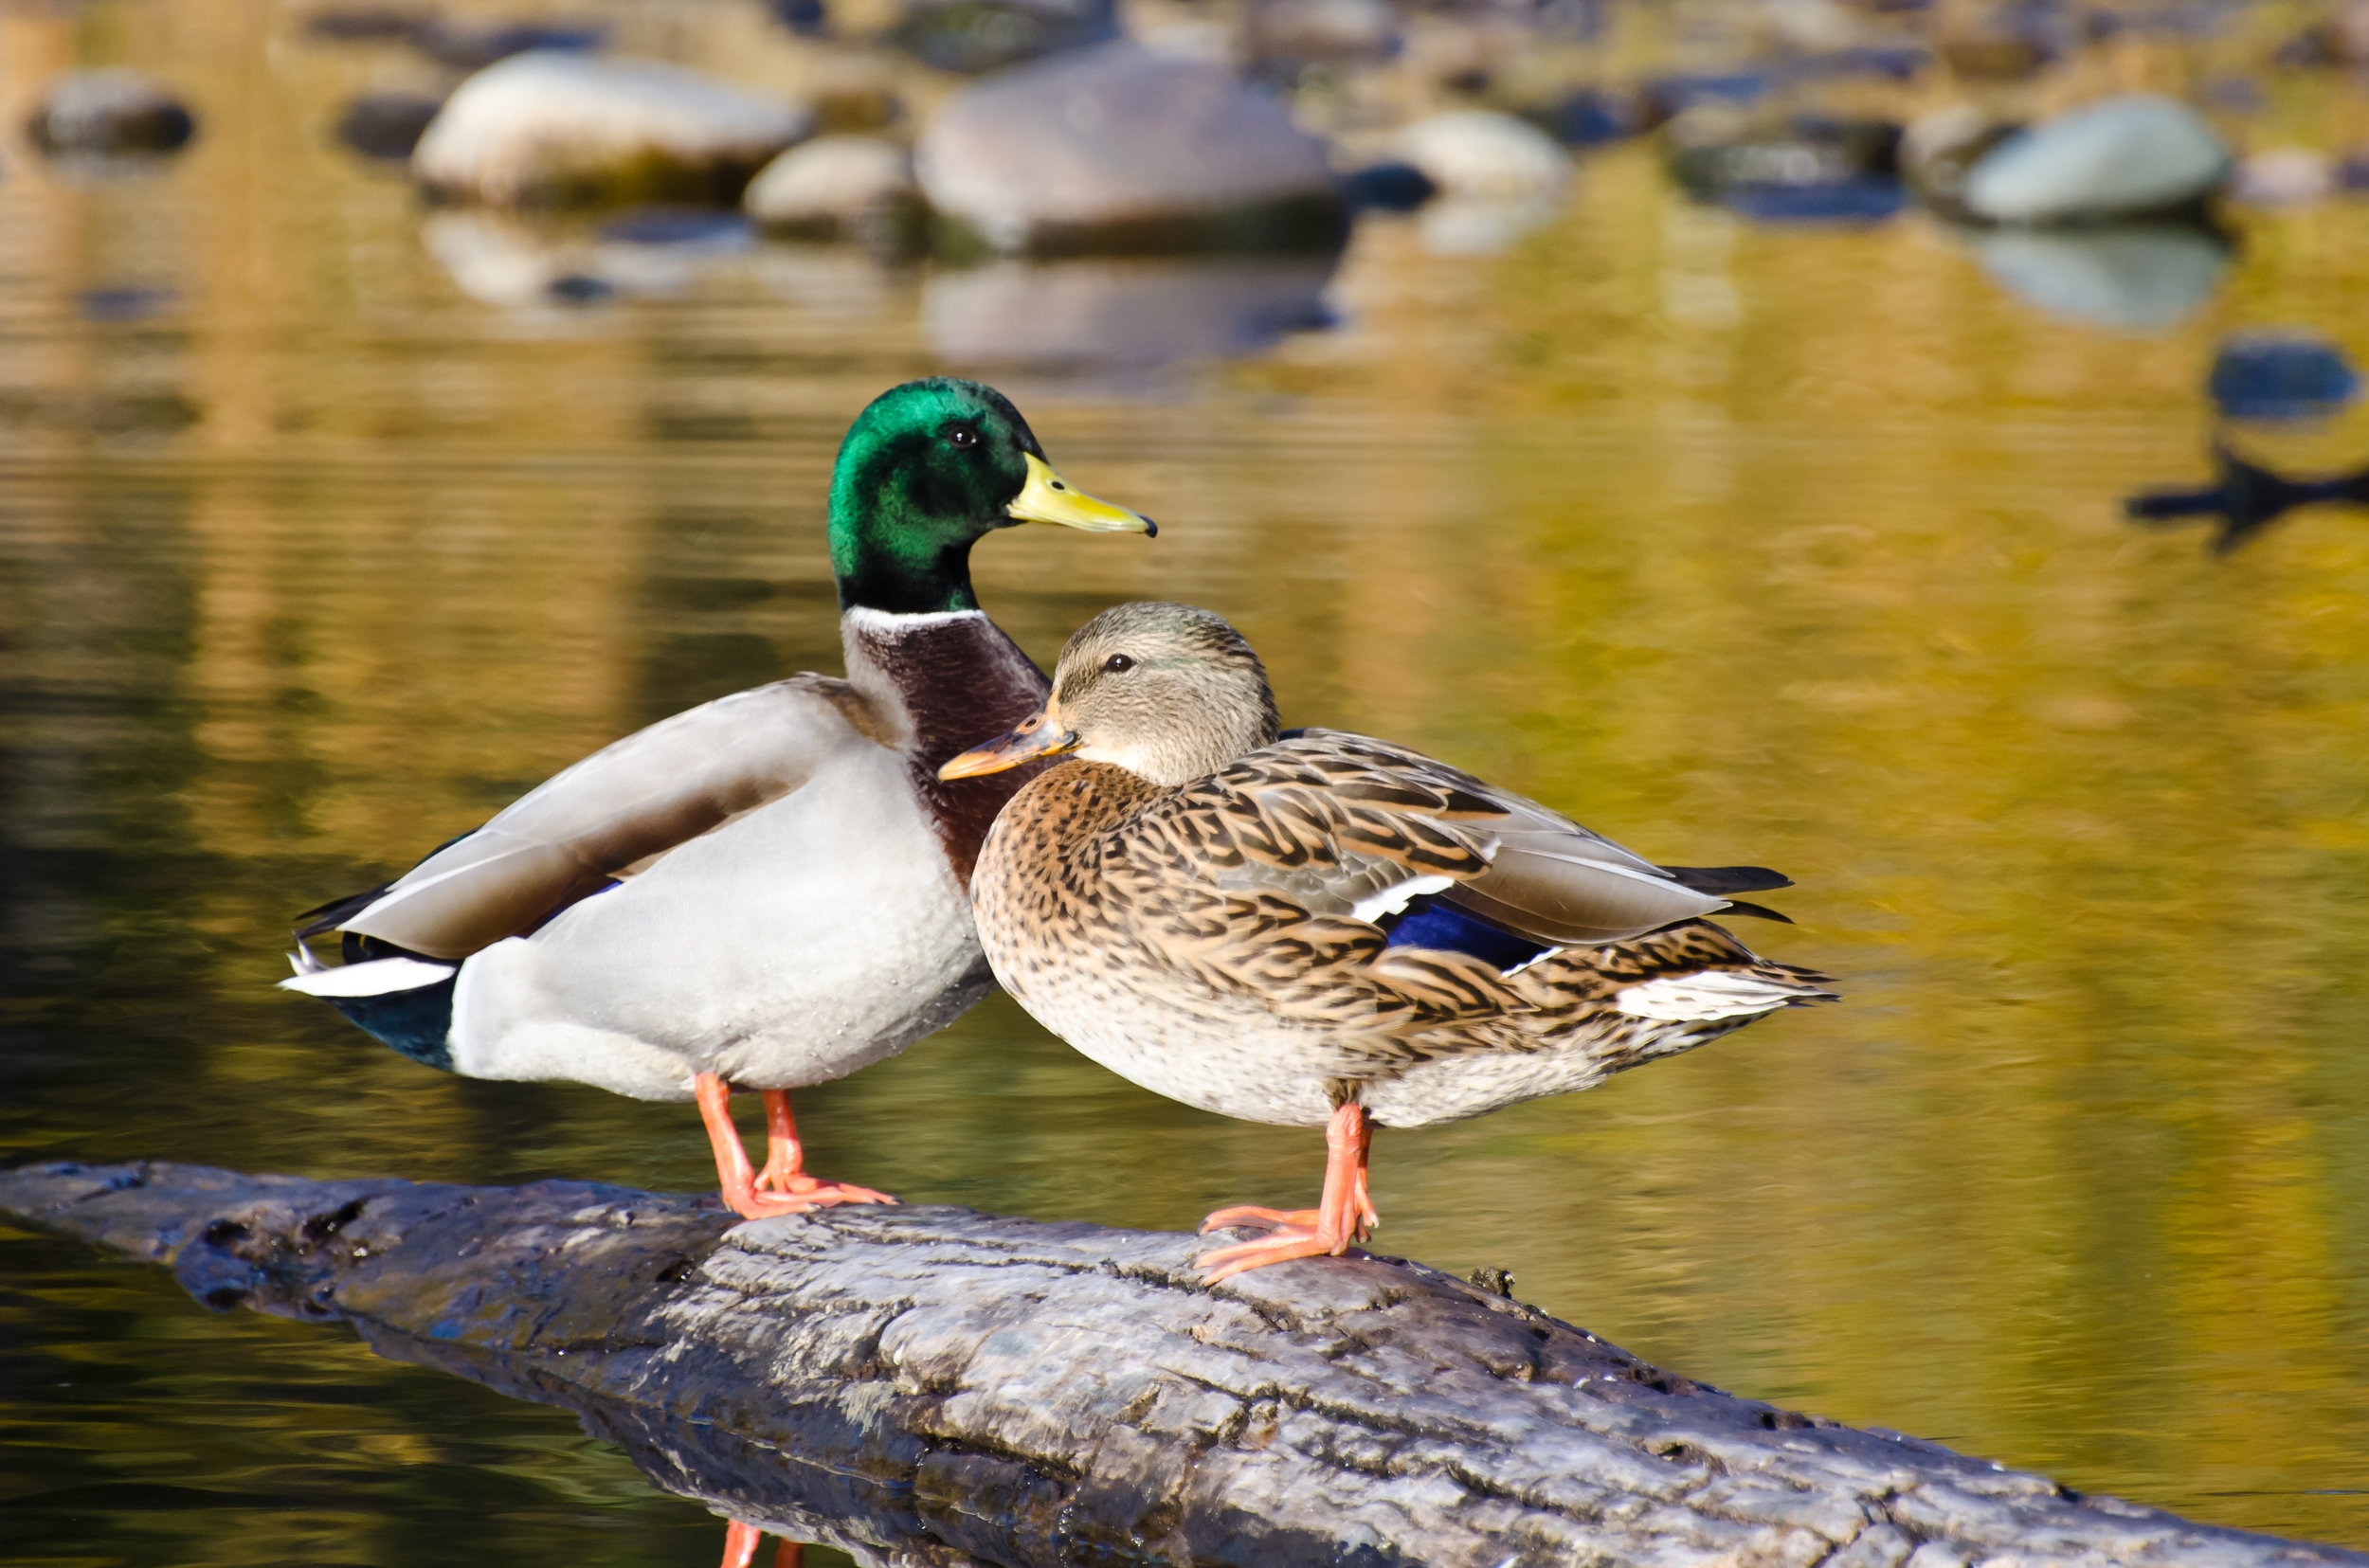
(1799,547)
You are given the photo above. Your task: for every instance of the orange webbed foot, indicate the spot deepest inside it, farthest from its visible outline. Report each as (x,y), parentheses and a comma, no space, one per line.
(1286,1243)
(1250,1213)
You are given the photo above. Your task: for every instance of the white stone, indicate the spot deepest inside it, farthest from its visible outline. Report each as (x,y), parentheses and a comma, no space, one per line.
(1477,153)
(550,125)
(829,181)
(2119,157)
(1111,134)
(2285,176)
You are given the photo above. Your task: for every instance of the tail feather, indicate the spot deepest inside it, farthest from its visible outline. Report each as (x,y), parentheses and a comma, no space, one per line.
(1721,881)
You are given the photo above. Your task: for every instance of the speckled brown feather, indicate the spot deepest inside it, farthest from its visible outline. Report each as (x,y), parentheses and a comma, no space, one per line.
(1225,898)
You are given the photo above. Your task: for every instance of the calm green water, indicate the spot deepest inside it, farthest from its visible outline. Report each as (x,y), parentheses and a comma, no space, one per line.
(1794,547)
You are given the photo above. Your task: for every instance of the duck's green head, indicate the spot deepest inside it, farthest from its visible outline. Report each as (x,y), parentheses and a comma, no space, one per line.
(924,472)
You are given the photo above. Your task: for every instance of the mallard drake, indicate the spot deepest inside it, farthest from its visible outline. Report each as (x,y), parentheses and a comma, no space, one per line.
(1323,929)
(768,890)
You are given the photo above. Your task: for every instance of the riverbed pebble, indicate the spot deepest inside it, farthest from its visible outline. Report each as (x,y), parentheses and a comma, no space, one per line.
(1118,147)
(558,129)
(2128,156)
(109,113)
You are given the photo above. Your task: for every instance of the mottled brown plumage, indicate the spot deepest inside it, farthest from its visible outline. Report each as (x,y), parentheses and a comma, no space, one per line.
(1217,922)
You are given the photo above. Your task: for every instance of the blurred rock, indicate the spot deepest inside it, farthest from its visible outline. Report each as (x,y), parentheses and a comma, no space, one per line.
(365,24)
(387,126)
(108,113)
(973,36)
(1480,153)
(1387,187)
(2285,176)
(1594,115)
(1938,149)
(2123,157)
(2005,43)
(842,187)
(1285,37)
(2341,38)
(2282,373)
(1810,170)
(556,129)
(2136,277)
(1116,149)
(473,46)
(1088,318)
(1482,225)
(1671,95)
(806,18)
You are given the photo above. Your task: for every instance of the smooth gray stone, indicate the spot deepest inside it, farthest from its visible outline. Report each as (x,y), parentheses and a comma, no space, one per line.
(929,1384)
(552,128)
(2121,158)
(1118,147)
(108,113)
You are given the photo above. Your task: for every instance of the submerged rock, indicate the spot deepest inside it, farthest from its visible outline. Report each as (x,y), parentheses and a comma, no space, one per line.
(2132,156)
(835,188)
(2285,176)
(1286,37)
(1479,154)
(2135,277)
(1938,149)
(2282,373)
(109,114)
(473,46)
(1118,149)
(971,36)
(1809,171)
(387,126)
(555,129)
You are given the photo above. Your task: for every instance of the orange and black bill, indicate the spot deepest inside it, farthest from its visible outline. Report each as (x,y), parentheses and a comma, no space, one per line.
(1043,736)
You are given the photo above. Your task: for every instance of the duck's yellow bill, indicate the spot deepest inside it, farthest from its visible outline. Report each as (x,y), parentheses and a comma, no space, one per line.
(1042,736)
(1047,497)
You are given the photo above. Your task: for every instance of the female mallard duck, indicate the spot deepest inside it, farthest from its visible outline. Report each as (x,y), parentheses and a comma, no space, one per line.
(1322,929)
(768,890)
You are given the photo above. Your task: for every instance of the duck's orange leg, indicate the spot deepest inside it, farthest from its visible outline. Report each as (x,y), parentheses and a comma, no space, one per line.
(738,1181)
(740,1547)
(1343,1215)
(785,1169)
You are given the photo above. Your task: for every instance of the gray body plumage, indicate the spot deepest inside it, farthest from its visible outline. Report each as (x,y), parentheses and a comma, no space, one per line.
(769,887)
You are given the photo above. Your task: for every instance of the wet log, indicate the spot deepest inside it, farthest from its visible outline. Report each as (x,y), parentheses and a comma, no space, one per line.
(932,1385)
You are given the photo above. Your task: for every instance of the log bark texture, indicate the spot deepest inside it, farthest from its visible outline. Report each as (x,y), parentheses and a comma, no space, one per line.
(935,1386)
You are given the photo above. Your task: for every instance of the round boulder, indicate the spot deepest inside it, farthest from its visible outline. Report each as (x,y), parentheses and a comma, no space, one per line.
(1119,149)
(554,129)
(109,114)
(838,187)
(2132,156)
(1482,153)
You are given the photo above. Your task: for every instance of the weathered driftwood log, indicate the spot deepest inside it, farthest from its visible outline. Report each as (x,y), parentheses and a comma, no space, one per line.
(930,1385)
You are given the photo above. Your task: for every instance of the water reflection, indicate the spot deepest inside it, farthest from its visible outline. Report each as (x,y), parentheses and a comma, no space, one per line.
(2134,278)
(1800,541)
(2245,498)
(1097,319)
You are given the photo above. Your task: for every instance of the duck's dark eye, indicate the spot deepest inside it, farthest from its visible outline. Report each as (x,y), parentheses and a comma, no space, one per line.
(963,437)
(1118,665)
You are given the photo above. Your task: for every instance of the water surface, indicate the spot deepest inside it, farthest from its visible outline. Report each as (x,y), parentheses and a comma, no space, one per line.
(1801,546)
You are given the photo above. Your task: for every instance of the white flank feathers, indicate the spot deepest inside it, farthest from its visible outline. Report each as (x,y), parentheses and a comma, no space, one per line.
(379,977)
(1706,994)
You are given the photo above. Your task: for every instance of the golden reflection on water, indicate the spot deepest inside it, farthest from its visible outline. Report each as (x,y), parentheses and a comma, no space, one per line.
(1743,544)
